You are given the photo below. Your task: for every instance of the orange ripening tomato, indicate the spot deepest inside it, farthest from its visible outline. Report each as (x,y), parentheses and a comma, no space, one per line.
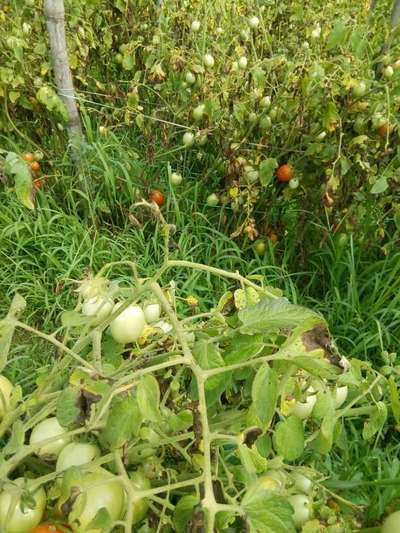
(38,183)
(28,157)
(384,131)
(46,528)
(35,166)
(284,173)
(273,237)
(157,197)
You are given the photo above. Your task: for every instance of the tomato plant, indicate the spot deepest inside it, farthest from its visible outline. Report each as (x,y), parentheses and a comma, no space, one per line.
(130,419)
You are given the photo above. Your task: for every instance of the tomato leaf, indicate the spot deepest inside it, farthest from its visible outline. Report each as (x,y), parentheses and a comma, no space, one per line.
(16,440)
(264,394)
(17,167)
(337,36)
(73,319)
(208,356)
(7,328)
(272,315)
(380,185)
(251,460)
(267,513)
(266,170)
(183,512)
(102,521)
(242,348)
(148,398)
(376,421)
(288,438)
(123,422)
(394,399)
(68,410)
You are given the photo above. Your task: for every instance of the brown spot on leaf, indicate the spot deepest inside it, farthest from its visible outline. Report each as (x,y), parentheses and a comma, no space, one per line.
(319,338)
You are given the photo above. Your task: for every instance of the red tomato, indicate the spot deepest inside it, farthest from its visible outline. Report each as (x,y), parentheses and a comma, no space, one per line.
(157,197)
(46,528)
(284,173)
(28,157)
(35,166)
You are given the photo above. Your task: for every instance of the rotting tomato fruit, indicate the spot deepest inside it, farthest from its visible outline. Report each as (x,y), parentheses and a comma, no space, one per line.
(35,166)
(157,197)
(285,173)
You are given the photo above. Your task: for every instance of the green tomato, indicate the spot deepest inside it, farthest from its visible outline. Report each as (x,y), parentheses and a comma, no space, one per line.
(119,58)
(259,247)
(212,200)
(128,326)
(188,139)
(93,491)
(242,63)
(302,483)
(46,429)
(303,410)
(76,454)
(388,72)
(175,178)
(152,312)
(140,505)
(6,389)
(359,89)
(391,523)
(265,102)
(97,307)
(198,112)
(195,27)
(294,183)
(254,22)
(340,396)
(209,61)
(190,78)
(20,520)
(265,123)
(301,507)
